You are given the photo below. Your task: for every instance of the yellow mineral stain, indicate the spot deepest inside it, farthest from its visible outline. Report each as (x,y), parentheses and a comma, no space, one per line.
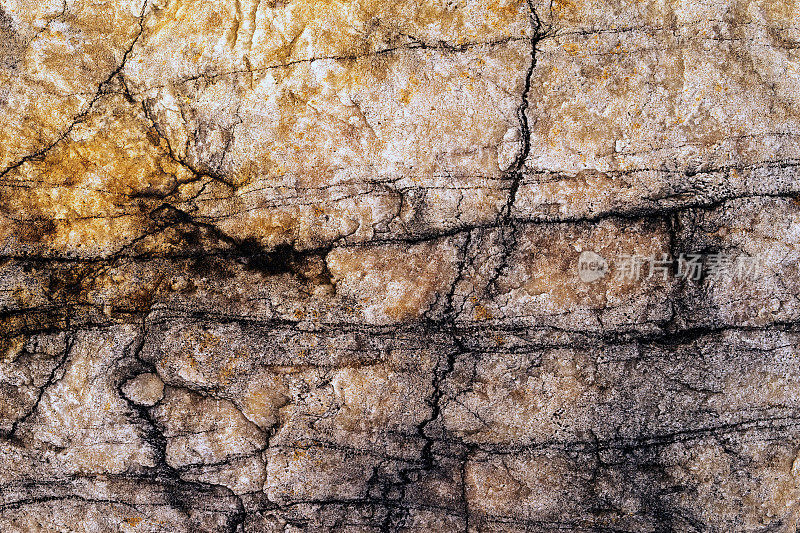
(133,520)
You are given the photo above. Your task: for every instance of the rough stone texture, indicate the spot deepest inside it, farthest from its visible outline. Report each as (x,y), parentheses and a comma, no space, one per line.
(303,265)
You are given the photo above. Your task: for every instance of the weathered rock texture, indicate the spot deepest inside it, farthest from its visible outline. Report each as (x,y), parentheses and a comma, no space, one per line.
(312,265)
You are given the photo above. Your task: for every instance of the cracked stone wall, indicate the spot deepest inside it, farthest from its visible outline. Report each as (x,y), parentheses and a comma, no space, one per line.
(373,266)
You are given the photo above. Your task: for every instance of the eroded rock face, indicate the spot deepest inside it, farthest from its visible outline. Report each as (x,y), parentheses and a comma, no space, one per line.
(481,265)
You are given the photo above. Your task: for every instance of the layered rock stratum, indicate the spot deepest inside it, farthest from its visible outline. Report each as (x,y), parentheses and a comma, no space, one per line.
(372,266)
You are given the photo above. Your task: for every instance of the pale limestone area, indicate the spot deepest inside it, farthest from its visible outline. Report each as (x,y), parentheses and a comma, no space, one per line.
(284,266)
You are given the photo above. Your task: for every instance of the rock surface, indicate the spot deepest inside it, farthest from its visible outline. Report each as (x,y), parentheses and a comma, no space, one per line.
(474,265)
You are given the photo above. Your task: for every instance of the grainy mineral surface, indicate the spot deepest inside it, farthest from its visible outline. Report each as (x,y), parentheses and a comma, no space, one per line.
(380,265)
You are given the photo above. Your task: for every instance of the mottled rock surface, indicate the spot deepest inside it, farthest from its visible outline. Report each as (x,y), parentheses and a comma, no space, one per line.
(371,266)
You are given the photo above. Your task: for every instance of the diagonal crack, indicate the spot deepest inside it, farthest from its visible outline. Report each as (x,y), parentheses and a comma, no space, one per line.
(51,379)
(102,90)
